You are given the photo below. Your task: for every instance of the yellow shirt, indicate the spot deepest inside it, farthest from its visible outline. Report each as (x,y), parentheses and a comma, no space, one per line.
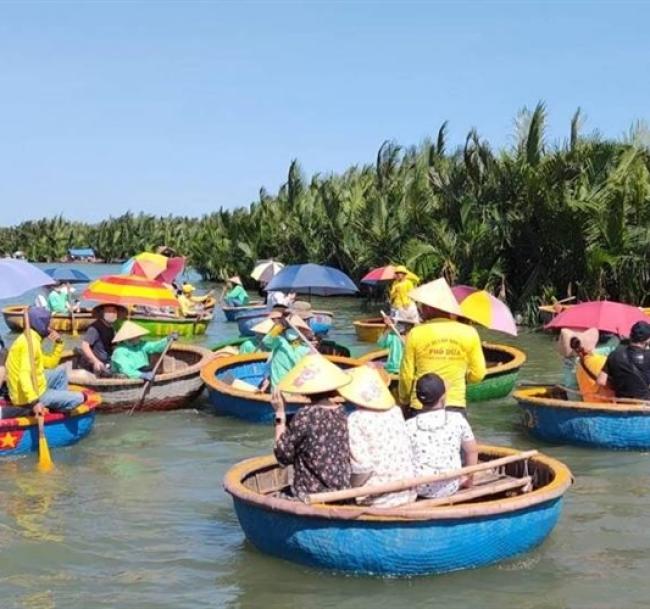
(399,291)
(450,349)
(186,305)
(19,377)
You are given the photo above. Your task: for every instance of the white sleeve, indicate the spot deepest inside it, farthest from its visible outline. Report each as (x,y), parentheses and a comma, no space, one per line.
(466,433)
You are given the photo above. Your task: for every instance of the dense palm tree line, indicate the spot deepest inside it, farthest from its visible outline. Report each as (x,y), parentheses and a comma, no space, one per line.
(530,221)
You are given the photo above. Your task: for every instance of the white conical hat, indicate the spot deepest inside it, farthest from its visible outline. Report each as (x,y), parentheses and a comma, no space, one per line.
(437,294)
(129,330)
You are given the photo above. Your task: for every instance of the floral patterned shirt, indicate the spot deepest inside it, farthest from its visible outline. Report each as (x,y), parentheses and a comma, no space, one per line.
(316,443)
(379,443)
(436,438)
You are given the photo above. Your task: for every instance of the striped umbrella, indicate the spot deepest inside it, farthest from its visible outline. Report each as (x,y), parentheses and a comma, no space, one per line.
(130,290)
(265,270)
(154,266)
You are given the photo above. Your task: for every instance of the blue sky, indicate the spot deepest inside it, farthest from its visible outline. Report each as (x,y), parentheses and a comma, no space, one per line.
(184,107)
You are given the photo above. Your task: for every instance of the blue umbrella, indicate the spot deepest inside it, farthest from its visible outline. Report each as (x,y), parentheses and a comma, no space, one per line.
(19,276)
(312,279)
(67,275)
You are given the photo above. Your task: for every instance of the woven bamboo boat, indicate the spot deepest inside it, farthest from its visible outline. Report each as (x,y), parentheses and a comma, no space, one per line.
(233,313)
(326,347)
(178,384)
(369,330)
(19,436)
(13,316)
(548,414)
(503,364)
(164,326)
(397,541)
(226,399)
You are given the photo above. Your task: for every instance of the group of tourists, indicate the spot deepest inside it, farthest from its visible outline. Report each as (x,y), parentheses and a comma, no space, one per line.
(424,431)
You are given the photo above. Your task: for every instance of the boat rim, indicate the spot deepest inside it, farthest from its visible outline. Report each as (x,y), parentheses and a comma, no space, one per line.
(562,480)
(19,309)
(209,372)
(528,395)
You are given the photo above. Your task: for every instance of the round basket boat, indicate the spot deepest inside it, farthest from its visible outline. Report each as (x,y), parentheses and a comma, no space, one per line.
(19,435)
(548,414)
(326,347)
(178,384)
(13,316)
(369,330)
(397,541)
(183,326)
(234,313)
(246,322)
(232,381)
(503,364)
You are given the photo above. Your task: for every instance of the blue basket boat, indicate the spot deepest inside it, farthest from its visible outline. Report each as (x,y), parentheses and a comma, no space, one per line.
(19,436)
(225,377)
(397,541)
(234,313)
(548,414)
(246,322)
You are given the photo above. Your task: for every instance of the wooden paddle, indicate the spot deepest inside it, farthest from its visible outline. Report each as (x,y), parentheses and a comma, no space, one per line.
(147,384)
(401,485)
(389,322)
(71,308)
(45,463)
(303,338)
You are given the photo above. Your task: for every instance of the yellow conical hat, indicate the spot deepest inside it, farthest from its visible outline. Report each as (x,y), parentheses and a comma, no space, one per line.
(264,326)
(129,330)
(313,374)
(437,294)
(367,389)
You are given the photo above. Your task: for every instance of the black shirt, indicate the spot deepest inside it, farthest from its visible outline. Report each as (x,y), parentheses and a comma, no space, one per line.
(628,370)
(100,338)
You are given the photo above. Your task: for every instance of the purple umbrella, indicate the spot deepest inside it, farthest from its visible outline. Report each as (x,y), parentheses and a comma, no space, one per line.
(18,277)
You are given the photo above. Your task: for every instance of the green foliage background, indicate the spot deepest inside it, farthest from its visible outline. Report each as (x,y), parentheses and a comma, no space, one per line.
(529,221)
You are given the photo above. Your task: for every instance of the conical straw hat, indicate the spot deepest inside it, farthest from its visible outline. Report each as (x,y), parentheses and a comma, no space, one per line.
(264,326)
(313,374)
(235,279)
(299,322)
(437,294)
(367,389)
(129,330)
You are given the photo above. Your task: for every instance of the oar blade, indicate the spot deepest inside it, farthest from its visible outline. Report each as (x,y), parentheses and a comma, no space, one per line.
(45,463)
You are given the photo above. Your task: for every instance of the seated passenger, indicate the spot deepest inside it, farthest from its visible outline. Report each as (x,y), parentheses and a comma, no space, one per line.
(236,296)
(190,304)
(395,345)
(254,343)
(380,447)
(47,386)
(627,369)
(94,353)
(59,300)
(316,441)
(131,354)
(286,349)
(437,437)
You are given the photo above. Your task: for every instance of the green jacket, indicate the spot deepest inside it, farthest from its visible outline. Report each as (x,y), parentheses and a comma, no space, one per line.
(284,356)
(389,340)
(238,296)
(248,346)
(129,359)
(57,302)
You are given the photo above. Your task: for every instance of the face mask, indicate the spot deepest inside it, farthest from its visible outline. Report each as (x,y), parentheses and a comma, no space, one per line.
(110,318)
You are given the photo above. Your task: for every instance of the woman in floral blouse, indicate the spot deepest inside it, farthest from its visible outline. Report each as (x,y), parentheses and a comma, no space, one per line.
(438,436)
(316,441)
(379,443)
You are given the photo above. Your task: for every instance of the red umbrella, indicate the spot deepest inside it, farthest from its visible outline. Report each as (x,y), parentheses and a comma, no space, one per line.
(605,315)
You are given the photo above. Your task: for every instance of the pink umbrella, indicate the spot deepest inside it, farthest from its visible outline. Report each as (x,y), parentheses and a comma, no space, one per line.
(484,308)
(605,315)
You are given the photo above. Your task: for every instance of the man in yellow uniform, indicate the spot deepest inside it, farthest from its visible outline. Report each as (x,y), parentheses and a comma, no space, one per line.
(400,302)
(442,345)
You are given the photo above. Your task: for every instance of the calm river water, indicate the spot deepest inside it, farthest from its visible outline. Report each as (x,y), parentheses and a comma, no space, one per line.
(134,517)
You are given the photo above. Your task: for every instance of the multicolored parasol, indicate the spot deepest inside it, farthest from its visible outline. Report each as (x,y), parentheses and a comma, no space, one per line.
(485,309)
(154,266)
(130,290)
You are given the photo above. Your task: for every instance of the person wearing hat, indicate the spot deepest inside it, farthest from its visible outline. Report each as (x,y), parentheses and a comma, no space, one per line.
(130,356)
(627,369)
(393,342)
(188,302)
(285,345)
(442,345)
(236,295)
(438,437)
(400,301)
(254,344)
(380,447)
(50,389)
(316,441)
(94,353)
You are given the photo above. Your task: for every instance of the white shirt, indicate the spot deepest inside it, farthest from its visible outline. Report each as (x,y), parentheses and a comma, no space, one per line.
(436,438)
(276,298)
